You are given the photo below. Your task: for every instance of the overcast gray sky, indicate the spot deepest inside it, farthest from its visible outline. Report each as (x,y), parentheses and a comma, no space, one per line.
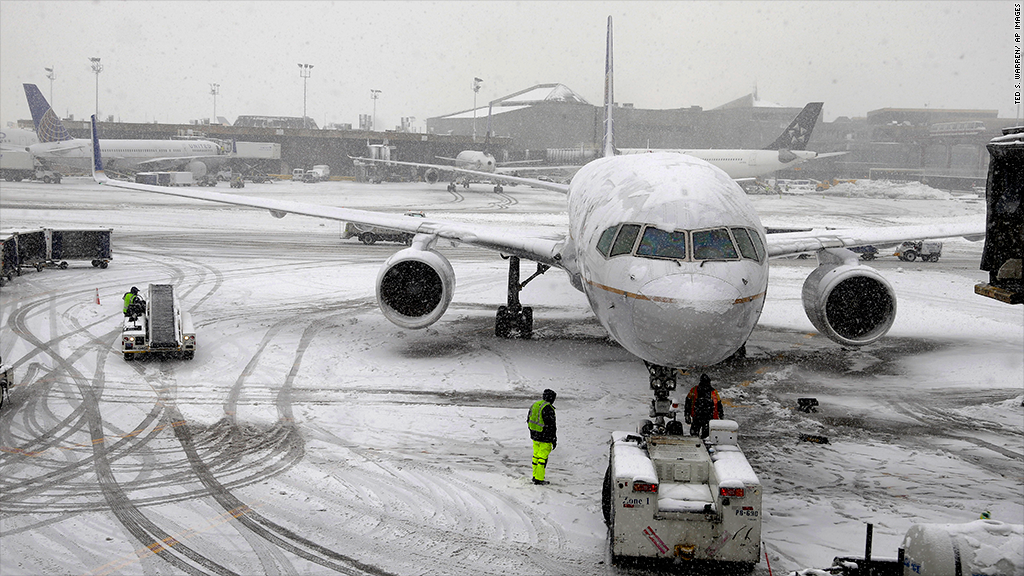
(160,58)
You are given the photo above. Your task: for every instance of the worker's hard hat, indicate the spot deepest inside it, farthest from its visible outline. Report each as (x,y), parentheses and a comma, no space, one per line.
(134,290)
(705,379)
(549,395)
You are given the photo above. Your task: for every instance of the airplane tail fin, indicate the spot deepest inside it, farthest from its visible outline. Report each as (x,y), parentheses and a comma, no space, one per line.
(798,132)
(49,128)
(609,96)
(97,160)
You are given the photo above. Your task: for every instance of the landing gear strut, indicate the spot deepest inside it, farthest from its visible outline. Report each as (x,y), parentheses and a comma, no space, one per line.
(663,381)
(514,318)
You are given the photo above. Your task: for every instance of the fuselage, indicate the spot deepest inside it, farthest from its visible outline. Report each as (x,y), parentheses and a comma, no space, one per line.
(671,255)
(739,163)
(122,154)
(475,160)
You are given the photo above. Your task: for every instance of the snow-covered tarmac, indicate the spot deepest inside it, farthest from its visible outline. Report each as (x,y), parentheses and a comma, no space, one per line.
(311,436)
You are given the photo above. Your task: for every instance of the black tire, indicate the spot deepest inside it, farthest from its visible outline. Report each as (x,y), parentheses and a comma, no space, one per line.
(46,180)
(63,265)
(867,256)
(367,238)
(95,263)
(526,323)
(606,496)
(103,264)
(909,256)
(129,357)
(503,323)
(188,355)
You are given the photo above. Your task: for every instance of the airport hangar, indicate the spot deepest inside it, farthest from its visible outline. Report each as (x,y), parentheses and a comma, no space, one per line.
(552,123)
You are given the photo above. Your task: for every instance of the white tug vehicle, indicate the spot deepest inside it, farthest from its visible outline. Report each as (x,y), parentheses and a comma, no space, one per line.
(162,328)
(668,495)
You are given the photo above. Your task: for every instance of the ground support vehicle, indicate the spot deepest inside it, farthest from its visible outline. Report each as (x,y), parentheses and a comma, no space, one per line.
(371,234)
(929,251)
(16,165)
(162,328)
(1003,257)
(680,498)
(166,178)
(868,252)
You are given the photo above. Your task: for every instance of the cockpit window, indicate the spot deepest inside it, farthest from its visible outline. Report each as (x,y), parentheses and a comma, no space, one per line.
(661,244)
(605,242)
(758,245)
(744,243)
(714,244)
(625,240)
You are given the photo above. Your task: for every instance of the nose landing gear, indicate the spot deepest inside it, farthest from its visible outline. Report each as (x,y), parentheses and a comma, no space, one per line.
(663,409)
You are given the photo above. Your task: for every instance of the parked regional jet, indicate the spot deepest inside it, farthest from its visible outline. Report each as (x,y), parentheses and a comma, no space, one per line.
(57,147)
(788,150)
(668,249)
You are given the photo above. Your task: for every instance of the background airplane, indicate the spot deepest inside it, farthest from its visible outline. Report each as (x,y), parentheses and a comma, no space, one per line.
(57,148)
(786,151)
(17,139)
(668,249)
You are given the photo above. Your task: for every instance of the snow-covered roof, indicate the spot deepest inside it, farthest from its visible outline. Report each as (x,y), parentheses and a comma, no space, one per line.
(749,101)
(544,93)
(481,112)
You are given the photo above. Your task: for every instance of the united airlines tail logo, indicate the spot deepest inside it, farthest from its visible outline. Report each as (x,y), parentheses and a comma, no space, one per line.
(51,129)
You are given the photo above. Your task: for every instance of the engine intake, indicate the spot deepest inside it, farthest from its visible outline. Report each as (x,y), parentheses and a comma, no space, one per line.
(415,287)
(851,304)
(431,176)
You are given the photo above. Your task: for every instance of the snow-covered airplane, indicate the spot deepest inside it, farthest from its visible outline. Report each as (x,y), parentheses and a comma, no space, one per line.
(56,147)
(668,249)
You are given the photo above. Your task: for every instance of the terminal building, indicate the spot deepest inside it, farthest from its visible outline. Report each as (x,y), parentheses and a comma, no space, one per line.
(554,124)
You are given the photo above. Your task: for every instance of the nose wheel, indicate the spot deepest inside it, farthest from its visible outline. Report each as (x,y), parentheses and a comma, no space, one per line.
(663,409)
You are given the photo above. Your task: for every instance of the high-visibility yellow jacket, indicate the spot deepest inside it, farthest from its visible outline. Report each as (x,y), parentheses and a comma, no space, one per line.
(541,421)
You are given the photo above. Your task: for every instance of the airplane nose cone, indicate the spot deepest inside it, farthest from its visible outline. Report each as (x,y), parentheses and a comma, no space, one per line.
(688,319)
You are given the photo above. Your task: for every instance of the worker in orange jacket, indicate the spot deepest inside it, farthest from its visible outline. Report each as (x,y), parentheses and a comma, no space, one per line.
(702,406)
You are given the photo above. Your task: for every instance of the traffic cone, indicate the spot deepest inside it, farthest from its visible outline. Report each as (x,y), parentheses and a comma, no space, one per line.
(97,296)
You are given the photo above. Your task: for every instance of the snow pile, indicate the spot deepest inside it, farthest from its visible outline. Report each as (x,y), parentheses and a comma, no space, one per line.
(980,547)
(887,189)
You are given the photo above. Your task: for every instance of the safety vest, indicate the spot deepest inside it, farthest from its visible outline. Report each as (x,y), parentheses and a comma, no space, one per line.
(128,297)
(536,419)
(714,403)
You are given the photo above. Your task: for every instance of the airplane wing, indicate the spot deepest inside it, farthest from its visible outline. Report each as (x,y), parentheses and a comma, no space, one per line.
(793,243)
(563,188)
(546,250)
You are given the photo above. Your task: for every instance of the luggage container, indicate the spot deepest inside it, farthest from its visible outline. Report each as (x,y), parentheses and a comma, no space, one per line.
(92,245)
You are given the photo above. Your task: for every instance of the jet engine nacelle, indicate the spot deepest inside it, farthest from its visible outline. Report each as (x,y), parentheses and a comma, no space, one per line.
(198,168)
(431,176)
(414,287)
(851,304)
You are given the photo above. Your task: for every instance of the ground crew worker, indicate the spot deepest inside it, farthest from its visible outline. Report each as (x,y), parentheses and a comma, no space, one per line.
(133,303)
(541,421)
(702,406)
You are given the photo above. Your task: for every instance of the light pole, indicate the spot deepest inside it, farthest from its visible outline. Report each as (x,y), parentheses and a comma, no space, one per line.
(97,68)
(51,76)
(476,88)
(304,70)
(373,95)
(214,89)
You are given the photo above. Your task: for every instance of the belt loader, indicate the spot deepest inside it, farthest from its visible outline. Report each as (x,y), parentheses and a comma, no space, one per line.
(161,328)
(678,497)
